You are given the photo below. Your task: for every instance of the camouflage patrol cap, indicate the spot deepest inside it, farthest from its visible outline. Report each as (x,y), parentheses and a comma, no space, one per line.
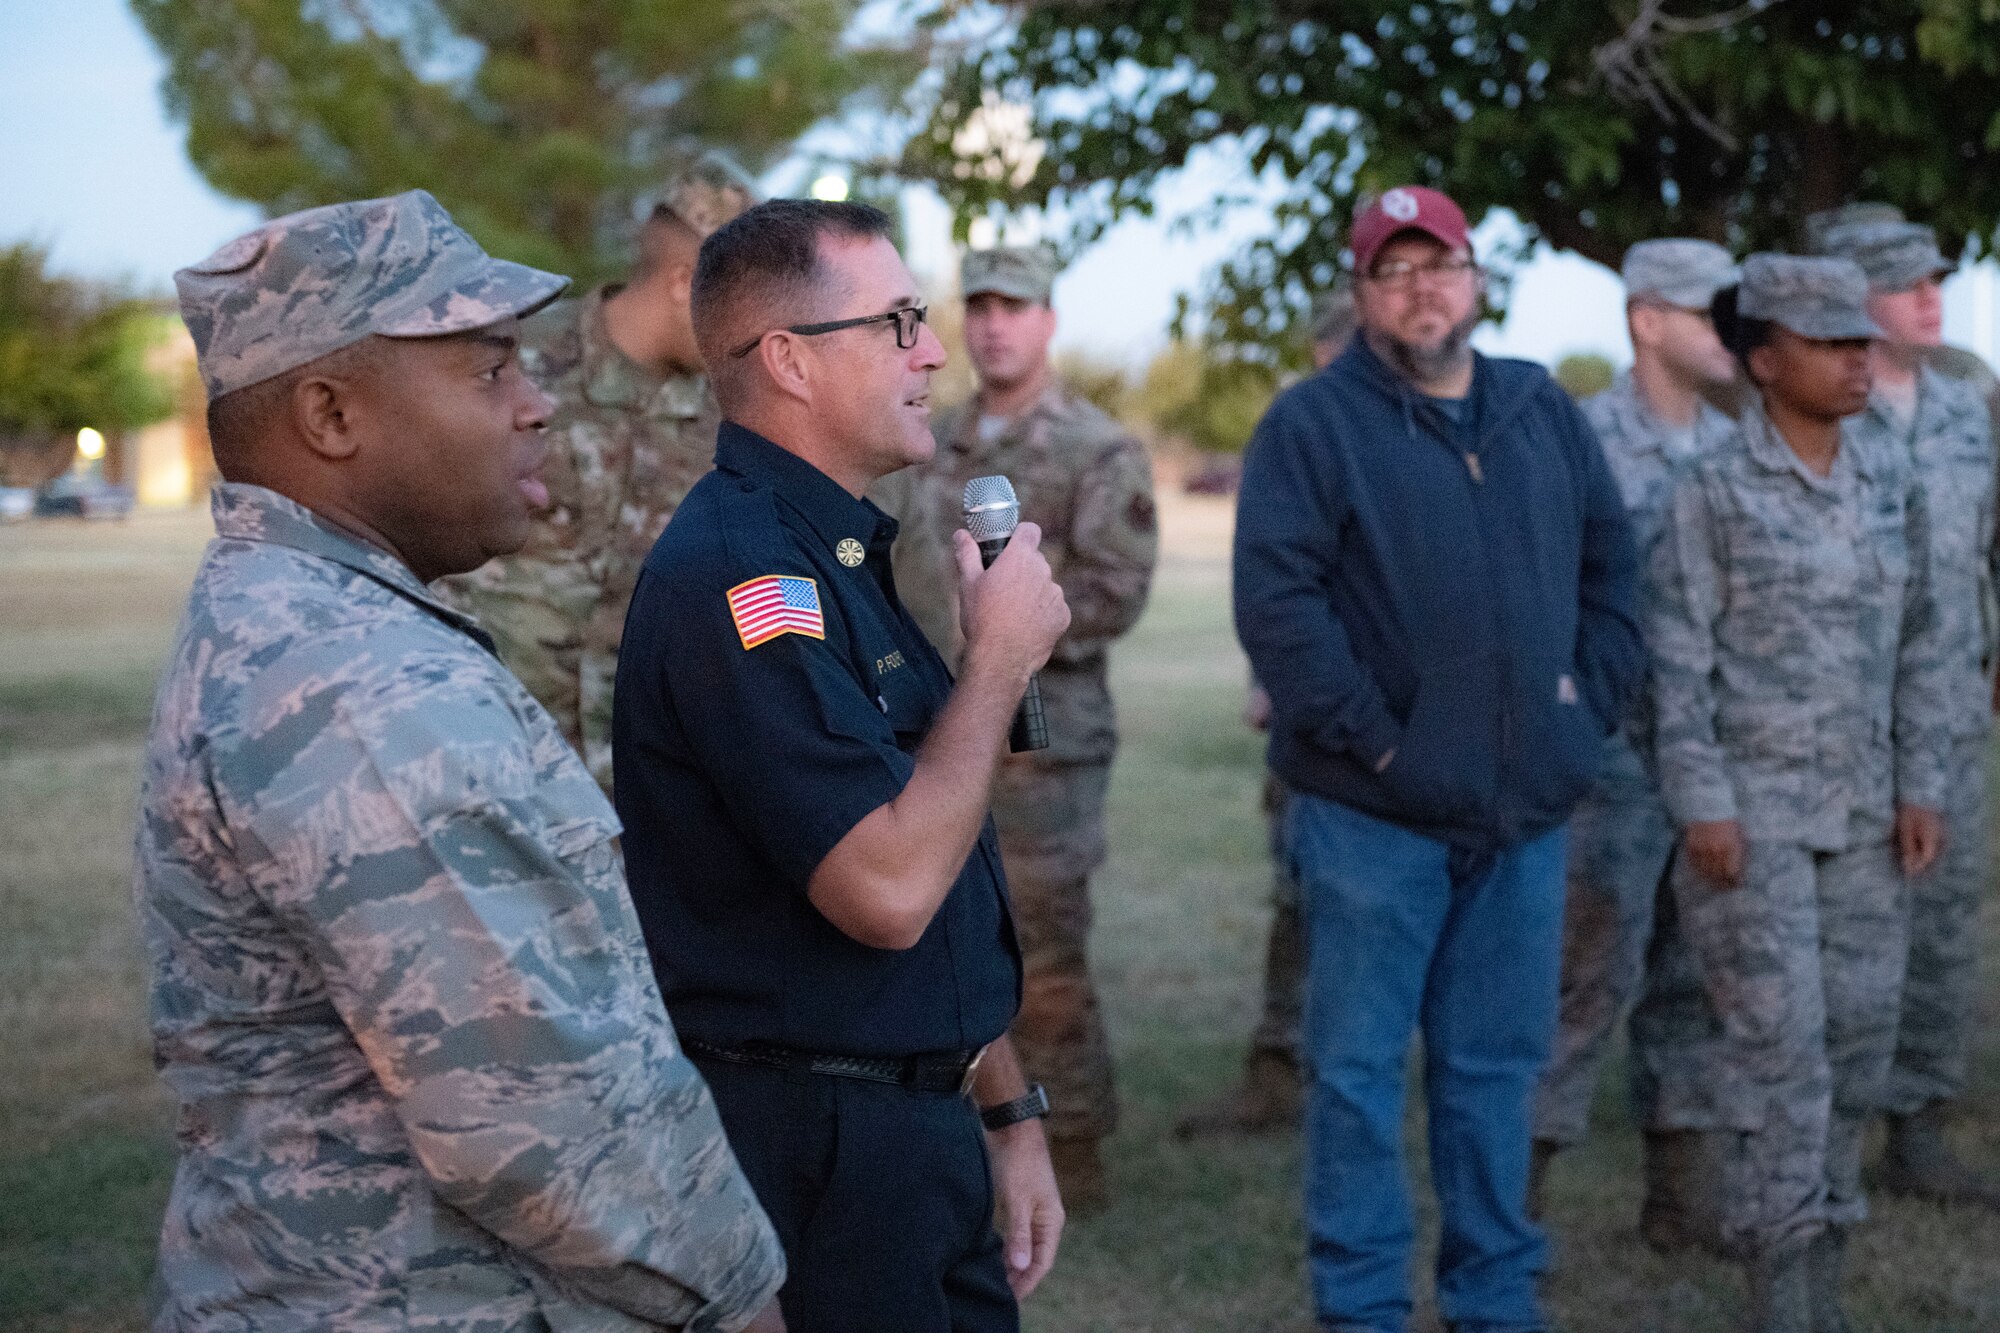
(1894,255)
(1813,296)
(1678,270)
(310,283)
(1820,223)
(710,191)
(1024,272)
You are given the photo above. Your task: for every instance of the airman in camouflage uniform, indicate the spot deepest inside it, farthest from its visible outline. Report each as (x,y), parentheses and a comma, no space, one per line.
(1939,426)
(1800,720)
(1954,363)
(634,429)
(424,1073)
(1089,485)
(1620,836)
(1272,1089)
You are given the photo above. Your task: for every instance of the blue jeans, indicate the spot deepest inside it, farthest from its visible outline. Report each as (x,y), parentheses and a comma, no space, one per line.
(1408,934)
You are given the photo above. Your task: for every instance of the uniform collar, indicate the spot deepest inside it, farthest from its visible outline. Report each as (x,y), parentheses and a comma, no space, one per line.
(1050,403)
(1929,383)
(1770,452)
(255,514)
(832,514)
(1644,425)
(613,379)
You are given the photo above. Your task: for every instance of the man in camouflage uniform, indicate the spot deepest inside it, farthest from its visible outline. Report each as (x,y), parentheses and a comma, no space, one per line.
(1268,1097)
(633,430)
(425,1076)
(1089,485)
(1954,363)
(1921,418)
(1653,422)
(1799,721)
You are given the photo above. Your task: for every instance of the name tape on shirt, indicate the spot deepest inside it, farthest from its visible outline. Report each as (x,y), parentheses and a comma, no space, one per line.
(776,604)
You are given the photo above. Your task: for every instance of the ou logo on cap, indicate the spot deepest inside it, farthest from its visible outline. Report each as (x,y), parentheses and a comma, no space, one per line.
(1400,205)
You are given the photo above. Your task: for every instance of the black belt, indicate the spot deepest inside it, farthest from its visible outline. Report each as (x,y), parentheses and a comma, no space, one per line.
(943,1071)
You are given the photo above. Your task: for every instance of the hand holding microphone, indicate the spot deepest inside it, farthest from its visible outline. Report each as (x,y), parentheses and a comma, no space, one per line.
(1011,607)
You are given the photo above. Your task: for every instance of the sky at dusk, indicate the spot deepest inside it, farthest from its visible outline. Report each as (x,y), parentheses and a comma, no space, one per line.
(95,171)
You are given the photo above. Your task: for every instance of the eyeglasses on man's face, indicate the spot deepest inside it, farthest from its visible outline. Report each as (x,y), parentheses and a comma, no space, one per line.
(907,320)
(1406,273)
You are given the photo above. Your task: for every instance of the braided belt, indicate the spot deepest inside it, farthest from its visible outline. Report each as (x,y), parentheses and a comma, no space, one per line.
(943,1071)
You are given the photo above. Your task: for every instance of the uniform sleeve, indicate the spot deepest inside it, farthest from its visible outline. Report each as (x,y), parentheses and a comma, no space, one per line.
(1285,510)
(472,928)
(1683,605)
(1610,657)
(798,751)
(1114,543)
(1923,702)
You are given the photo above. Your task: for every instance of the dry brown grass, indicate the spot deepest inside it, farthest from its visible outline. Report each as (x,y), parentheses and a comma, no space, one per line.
(1203,1238)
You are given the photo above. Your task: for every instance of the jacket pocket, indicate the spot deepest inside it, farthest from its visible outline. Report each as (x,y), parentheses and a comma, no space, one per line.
(1560,746)
(1444,766)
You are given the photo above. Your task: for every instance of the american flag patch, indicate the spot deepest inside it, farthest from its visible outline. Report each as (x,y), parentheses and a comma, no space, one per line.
(775,604)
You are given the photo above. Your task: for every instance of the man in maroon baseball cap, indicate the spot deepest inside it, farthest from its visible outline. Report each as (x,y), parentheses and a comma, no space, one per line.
(1407,208)
(1434,581)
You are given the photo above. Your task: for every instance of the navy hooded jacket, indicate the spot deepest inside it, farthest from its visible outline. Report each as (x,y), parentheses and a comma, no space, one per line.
(1459,595)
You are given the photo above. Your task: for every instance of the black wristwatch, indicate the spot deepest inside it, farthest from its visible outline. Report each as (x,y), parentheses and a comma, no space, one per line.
(1032,1106)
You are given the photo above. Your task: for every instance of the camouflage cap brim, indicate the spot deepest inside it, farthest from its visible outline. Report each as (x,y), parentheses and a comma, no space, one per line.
(1017,288)
(1828,325)
(504,290)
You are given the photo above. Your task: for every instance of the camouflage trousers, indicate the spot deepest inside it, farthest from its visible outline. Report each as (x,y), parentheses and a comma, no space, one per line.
(1935,1032)
(1281,1021)
(1051,822)
(1801,971)
(1620,841)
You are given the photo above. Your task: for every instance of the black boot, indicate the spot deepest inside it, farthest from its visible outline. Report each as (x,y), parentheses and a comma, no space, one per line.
(1781,1292)
(1682,1210)
(1917,1163)
(1541,1153)
(1826,1259)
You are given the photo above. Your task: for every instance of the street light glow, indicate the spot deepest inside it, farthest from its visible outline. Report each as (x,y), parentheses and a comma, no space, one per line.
(831,187)
(90,443)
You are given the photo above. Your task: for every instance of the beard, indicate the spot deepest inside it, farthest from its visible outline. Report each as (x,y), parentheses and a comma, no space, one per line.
(1427,364)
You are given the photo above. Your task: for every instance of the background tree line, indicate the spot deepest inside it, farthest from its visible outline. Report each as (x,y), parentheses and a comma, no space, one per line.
(539,123)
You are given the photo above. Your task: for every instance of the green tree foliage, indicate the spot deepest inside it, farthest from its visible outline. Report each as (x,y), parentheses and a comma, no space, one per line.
(1585,373)
(72,354)
(538,123)
(1598,125)
(1101,382)
(1197,394)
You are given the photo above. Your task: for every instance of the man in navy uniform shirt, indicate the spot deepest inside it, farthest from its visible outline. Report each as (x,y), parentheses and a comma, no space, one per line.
(804,792)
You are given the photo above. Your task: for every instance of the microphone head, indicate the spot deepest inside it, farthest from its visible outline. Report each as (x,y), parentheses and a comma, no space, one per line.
(991,510)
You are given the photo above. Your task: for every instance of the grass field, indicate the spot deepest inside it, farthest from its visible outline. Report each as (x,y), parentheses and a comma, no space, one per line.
(1202,1238)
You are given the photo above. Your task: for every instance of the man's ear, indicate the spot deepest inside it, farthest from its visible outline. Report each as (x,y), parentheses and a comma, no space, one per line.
(680,283)
(789,364)
(1644,323)
(326,411)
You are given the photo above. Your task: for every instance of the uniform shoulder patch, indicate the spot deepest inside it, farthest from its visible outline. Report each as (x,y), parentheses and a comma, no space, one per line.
(774,604)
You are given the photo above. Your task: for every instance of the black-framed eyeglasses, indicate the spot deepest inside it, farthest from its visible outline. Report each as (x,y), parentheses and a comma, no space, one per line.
(907,319)
(1402,273)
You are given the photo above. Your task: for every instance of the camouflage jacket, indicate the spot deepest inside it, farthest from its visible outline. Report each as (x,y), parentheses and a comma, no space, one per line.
(425,1076)
(1647,458)
(1797,669)
(1089,486)
(625,446)
(1949,440)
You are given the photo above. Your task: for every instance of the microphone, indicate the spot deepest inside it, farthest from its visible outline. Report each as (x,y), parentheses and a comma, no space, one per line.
(991,515)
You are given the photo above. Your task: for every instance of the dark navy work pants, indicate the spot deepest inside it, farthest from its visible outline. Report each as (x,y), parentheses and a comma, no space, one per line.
(881,1197)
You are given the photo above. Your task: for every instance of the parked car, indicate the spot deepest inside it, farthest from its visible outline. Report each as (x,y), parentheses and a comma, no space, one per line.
(16,502)
(83,497)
